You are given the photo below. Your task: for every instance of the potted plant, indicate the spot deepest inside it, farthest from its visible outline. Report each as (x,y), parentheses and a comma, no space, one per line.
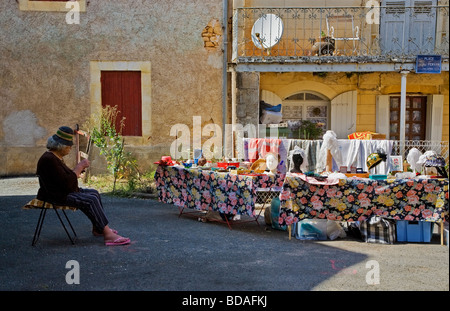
(310,130)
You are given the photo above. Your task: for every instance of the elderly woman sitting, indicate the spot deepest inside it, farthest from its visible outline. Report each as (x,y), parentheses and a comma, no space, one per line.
(59,184)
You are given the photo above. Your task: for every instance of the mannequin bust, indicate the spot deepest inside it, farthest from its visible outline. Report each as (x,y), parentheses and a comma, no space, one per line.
(298,161)
(271,163)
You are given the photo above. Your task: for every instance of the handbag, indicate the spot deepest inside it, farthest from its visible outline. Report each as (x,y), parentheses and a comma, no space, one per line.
(378,229)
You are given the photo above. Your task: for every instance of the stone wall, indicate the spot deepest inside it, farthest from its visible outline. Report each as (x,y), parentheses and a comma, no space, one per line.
(247,104)
(45,79)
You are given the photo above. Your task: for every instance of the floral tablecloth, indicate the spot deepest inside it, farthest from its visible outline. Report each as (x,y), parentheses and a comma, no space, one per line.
(355,199)
(209,190)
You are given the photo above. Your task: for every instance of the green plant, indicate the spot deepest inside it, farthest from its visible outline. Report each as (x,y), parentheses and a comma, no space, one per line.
(111,144)
(310,130)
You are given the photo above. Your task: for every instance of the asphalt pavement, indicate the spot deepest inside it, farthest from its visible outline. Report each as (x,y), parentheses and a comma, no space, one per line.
(171,253)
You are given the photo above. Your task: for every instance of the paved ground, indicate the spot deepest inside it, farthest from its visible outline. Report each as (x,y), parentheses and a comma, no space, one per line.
(181,254)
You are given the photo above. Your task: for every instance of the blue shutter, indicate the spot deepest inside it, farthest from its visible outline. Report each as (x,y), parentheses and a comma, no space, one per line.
(408,27)
(394,19)
(422,30)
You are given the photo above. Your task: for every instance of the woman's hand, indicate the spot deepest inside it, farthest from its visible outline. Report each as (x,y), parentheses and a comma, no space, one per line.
(81,166)
(85,163)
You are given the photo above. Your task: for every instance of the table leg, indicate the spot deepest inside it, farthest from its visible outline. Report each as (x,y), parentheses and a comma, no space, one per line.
(289,231)
(441,224)
(259,214)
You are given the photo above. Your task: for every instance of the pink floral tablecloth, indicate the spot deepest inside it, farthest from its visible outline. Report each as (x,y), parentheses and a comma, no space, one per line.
(355,199)
(208,190)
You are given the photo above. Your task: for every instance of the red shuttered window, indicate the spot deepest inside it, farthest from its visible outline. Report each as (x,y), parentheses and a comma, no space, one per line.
(123,89)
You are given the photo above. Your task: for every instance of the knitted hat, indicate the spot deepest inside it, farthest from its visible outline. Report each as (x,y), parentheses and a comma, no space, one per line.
(64,135)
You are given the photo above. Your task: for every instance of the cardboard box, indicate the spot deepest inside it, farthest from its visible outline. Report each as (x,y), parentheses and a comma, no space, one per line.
(376,136)
(361,175)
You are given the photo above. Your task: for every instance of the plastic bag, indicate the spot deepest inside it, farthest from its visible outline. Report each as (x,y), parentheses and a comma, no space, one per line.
(276,108)
(271,117)
(335,230)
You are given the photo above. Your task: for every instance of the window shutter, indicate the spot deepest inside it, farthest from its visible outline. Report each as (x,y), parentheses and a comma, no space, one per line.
(422,28)
(123,89)
(408,26)
(437,112)
(394,18)
(442,28)
(383,115)
(343,114)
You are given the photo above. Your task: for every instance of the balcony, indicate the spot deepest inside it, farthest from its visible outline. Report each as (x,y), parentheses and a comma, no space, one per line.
(388,34)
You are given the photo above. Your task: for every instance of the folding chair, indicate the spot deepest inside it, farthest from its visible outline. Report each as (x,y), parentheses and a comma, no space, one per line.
(44,206)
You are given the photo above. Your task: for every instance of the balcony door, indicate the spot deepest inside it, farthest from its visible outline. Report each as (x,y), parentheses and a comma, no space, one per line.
(407,27)
(415,118)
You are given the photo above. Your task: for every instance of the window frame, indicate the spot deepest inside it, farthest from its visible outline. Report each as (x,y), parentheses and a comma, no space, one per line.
(49,6)
(304,104)
(96,67)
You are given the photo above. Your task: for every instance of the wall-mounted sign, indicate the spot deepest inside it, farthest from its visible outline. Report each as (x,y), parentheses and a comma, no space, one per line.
(428,64)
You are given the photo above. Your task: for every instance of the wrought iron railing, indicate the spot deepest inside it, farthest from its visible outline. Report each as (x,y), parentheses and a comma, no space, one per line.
(340,34)
(440,147)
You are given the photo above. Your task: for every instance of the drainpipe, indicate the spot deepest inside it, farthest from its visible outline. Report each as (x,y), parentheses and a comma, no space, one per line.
(404,73)
(233,107)
(224,70)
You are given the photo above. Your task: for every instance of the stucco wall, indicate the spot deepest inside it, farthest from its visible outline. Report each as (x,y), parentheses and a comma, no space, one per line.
(45,68)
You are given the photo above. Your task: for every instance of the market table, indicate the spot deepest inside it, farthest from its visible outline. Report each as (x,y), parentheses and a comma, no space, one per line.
(207,190)
(355,199)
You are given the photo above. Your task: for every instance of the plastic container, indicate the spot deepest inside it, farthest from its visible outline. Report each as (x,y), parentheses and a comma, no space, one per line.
(446,233)
(414,231)
(226,164)
(312,229)
(378,177)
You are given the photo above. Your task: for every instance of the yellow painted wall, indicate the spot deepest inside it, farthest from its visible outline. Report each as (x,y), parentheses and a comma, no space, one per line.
(368,85)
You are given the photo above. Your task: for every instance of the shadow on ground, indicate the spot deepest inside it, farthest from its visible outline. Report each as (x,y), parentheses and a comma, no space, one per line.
(167,253)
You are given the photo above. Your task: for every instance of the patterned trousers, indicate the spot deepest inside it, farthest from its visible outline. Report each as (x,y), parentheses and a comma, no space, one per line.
(90,203)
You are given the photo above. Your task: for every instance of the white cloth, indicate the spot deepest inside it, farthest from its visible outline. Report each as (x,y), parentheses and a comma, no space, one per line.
(371,146)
